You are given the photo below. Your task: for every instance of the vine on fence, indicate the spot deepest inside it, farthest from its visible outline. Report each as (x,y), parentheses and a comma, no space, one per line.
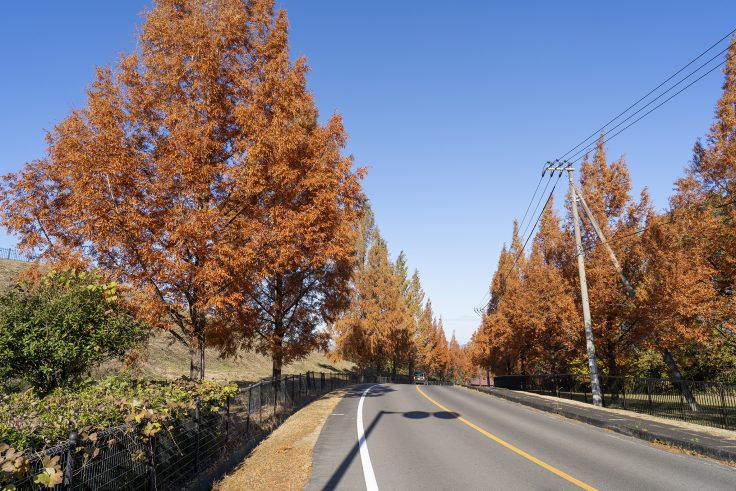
(166,433)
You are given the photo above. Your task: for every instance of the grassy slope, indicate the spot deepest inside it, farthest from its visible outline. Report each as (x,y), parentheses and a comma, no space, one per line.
(9,271)
(166,360)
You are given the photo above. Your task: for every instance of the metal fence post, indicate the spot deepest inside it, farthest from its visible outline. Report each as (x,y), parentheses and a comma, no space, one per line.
(260,403)
(274,382)
(247,416)
(293,402)
(649,396)
(151,481)
(723,405)
(197,402)
(623,392)
(227,422)
(69,467)
(682,406)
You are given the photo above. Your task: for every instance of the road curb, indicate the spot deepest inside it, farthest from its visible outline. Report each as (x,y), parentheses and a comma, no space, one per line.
(550,406)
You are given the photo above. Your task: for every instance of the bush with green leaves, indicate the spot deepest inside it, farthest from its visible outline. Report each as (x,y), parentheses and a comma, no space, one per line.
(30,421)
(52,333)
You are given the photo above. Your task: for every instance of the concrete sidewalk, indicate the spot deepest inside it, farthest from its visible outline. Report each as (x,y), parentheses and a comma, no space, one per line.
(711,442)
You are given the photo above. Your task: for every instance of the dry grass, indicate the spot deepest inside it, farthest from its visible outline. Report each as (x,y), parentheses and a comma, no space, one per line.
(166,360)
(9,271)
(283,461)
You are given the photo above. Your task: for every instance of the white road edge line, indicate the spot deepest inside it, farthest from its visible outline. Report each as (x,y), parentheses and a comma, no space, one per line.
(365,459)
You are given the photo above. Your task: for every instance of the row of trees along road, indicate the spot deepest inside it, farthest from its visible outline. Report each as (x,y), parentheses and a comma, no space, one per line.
(388,325)
(681,263)
(198,175)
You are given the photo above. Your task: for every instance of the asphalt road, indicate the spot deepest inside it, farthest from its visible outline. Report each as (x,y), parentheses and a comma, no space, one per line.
(436,438)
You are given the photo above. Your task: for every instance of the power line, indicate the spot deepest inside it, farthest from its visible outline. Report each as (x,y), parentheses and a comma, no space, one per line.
(523,247)
(606,140)
(581,153)
(598,131)
(539,182)
(536,207)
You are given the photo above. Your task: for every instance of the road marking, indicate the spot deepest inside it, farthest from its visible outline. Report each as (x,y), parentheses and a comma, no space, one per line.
(514,449)
(365,459)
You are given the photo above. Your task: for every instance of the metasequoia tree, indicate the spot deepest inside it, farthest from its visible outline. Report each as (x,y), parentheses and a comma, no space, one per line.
(375,331)
(705,200)
(424,337)
(680,266)
(162,179)
(309,201)
(413,295)
(456,366)
(606,188)
(554,317)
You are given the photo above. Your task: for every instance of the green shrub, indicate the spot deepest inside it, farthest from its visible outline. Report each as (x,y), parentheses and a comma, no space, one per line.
(54,332)
(30,421)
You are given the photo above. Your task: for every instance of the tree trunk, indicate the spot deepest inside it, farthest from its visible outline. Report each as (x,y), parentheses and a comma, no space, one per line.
(196,355)
(488,377)
(277,339)
(277,355)
(277,365)
(676,377)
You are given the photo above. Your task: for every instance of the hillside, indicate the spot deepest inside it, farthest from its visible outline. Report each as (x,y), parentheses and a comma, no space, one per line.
(9,270)
(165,360)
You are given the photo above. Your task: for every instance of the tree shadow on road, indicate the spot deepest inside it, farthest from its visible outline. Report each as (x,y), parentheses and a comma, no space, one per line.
(424,414)
(376,390)
(340,472)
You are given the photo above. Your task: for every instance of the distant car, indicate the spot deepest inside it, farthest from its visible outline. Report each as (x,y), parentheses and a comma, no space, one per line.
(420,377)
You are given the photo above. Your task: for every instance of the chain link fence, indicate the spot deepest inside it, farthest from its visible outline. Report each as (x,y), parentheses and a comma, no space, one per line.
(126,458)
(708,403)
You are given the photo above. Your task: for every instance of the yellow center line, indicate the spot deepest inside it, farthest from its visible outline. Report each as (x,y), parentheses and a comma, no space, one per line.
(514,449)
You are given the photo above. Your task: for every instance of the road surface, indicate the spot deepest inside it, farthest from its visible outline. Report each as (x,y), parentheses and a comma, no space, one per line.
(439,437)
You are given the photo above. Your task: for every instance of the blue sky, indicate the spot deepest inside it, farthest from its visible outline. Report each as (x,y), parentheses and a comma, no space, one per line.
(452,106)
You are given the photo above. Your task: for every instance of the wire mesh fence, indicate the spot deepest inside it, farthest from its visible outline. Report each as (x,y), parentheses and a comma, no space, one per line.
(126,457)
(14,254)
(708,403)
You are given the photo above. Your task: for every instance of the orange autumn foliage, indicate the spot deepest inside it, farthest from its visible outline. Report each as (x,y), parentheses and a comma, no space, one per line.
(681,265)
(190,177)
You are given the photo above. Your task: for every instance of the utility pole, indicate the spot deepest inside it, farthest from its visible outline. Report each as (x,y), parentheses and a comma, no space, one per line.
(672,367)
(595,385)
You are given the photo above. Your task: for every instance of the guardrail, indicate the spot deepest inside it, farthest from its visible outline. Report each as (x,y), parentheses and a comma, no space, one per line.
(124,457)
(708,403)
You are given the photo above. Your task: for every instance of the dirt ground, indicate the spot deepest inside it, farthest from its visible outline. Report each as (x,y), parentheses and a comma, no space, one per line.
(283,461)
